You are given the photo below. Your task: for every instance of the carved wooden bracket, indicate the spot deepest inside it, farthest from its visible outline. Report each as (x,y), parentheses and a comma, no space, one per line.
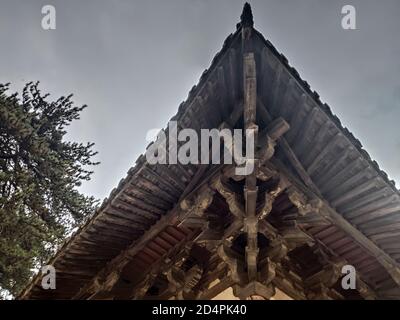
(270,197)
(235,263)
(230,197)
(144,285)
(295,236)
(301,202)
(182,283)
(319,292)
(269,137)
(194,207)
(365,291)
(192,278)
(254,288)
(277,249)
(267,271)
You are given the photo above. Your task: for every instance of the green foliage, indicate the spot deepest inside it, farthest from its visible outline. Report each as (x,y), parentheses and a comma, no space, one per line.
(39,175)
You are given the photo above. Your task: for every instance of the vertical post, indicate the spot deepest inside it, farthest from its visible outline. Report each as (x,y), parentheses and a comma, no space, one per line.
(249,116)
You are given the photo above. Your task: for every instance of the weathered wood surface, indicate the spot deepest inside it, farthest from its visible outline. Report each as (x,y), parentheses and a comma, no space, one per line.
(333,194)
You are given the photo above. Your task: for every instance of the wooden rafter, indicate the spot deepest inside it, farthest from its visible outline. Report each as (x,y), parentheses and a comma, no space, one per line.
(391,266)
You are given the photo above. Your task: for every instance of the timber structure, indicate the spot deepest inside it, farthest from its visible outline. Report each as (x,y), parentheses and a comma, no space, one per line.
(314,202)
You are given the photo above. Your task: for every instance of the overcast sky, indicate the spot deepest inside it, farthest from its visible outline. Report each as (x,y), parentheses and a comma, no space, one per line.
(133,63)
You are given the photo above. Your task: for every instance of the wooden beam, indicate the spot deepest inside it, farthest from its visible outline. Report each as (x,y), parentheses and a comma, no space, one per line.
(287,150)
(325,150)
(250,189)
(235,207)
(107,276)
(166,220)
(216,289)
(391,266)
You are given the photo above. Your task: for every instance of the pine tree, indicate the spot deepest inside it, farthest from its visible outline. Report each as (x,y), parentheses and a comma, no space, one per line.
(40,172)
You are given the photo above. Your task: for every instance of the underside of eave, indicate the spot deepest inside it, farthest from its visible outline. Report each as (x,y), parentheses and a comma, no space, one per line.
(185,116)
(325,108)
(185,109)
(280,101)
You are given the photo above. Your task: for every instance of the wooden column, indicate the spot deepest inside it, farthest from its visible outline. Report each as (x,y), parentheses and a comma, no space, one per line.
(249,116)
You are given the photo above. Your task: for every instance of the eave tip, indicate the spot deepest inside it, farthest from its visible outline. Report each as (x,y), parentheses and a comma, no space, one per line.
(246,18)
